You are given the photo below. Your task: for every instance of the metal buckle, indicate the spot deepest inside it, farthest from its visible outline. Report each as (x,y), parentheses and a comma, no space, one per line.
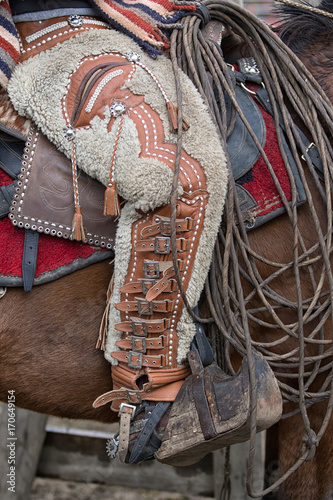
(143,328)
(167,245)
(140,339)
(139,361)
(125,405)
(165,226)
(151,269)
(145,308)
(311,145)
(144,282)
(136,400)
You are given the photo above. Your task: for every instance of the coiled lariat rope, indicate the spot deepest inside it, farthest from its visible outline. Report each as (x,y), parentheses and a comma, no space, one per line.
(240,292)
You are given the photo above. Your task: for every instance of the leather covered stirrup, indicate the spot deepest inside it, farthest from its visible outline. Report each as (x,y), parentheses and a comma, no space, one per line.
(212,410)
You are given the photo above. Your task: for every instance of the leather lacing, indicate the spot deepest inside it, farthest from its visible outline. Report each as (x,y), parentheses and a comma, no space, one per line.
(230,308)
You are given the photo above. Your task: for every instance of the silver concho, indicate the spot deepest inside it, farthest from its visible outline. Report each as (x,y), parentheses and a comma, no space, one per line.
(75,21)
(3,291)
(112,446)
(133,56)
(117,108)
(248,65)
(69,133)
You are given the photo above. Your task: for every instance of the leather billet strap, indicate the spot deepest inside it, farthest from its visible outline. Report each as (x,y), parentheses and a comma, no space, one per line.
(140,344)
(163,226)
(140,326)
(145,285)
(145,307)
(126,414)
(136,359)
(161,245)
(29,258)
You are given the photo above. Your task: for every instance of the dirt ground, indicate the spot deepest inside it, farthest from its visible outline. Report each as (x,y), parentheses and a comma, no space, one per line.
(54,489)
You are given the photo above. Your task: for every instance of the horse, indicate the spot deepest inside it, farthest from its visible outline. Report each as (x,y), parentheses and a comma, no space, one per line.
(48,336)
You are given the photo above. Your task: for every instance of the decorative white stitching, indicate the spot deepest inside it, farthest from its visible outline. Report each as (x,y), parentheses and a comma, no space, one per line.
(100,86)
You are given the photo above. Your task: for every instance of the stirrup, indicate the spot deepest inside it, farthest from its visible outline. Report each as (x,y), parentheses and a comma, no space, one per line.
(212,410)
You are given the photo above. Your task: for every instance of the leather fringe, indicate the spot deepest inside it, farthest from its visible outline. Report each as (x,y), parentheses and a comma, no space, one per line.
(173,116)
(111,200)
(78,233)
(103,330)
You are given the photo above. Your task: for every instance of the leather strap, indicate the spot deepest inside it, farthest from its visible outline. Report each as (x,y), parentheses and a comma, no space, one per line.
(133,397)
(141,442)
(311,149)
(143,327)
(160,245)
(162,285)
(163,226)
(199,395)
(11,151)
(145,307)
(29,258)
(153,268)
(145,285)
(141,344)
(202,343)
(126,416)
(138,360)
(6,196)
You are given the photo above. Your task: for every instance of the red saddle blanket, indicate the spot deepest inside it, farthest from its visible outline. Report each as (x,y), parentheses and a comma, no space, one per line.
(56,256)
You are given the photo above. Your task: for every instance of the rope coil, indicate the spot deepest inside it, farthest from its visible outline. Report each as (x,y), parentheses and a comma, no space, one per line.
(240,297)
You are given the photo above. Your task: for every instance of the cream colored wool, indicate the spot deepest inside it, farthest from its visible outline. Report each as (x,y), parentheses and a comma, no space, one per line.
(36,90)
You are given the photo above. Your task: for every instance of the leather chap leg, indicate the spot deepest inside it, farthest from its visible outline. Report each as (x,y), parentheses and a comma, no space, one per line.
(149,362)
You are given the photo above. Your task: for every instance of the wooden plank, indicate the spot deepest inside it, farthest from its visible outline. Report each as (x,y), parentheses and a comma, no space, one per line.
(83,458)
(238,469)
(20,447)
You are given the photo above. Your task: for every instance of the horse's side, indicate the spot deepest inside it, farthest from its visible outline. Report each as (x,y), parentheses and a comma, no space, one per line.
(48,340)
(48,353)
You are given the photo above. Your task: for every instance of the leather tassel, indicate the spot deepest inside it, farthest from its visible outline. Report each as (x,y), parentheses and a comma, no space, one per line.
(173,116)
(111,200)
(78,233)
